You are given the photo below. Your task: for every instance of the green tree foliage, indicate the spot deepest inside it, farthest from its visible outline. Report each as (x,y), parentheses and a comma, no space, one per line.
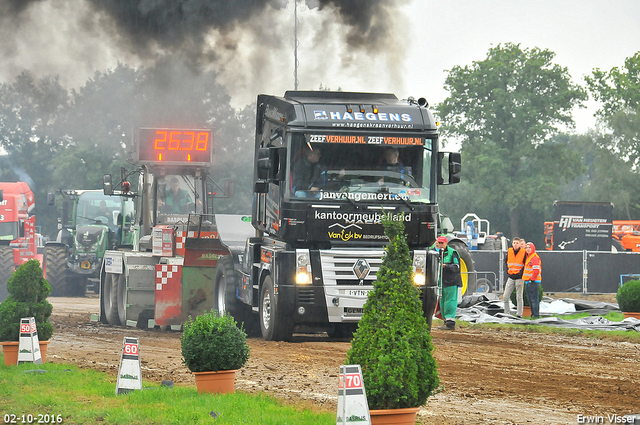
(58,139)
(619,92)
(504,110)
(28,292)
(392,343)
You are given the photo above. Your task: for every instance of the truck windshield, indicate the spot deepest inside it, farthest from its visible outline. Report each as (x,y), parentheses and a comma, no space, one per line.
(98,208)
(9,231)
(360,167)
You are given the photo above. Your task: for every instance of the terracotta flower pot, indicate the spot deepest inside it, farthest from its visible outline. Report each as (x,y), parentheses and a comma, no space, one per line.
(631,314)
(10,351)
(526,311)
(405,416)
(221,382)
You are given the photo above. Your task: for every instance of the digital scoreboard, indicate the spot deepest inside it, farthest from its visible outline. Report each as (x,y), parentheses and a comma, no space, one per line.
(174,146)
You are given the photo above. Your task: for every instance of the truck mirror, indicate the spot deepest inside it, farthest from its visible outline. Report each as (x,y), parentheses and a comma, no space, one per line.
(447,225)
(261,186)
(106,184)
(229,186)
(51,198)
(264,164)
(455,167)
(449,167)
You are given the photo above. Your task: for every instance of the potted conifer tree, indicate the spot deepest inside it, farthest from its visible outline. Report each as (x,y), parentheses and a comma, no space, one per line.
(392,343)
(214,348)
(628,298)
(28,292)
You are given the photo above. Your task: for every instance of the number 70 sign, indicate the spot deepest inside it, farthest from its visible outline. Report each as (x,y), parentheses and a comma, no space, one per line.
(350,380)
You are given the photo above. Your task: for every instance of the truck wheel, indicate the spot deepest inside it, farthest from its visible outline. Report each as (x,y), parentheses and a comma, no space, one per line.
(273,324)
(55,259)
(6,269)
(466,267)
(110,299)
(226,301)
(616,246)
(120,282)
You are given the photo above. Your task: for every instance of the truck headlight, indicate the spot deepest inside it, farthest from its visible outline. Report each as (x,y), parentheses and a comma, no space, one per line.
(303,267)
(419,267)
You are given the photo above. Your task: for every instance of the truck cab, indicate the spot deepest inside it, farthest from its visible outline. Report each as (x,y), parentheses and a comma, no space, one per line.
(328,165)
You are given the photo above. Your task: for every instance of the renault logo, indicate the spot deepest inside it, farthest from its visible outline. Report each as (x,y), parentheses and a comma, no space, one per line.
(361,269)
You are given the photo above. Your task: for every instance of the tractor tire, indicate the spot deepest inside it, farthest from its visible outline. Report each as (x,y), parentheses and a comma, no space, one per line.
(6,269)
(55,259)
(120,282)
(467,269)
(76,286)
(110,299)
(225,300)
(274,324)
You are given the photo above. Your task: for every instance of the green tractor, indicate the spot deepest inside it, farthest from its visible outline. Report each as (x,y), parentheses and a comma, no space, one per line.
(90,223)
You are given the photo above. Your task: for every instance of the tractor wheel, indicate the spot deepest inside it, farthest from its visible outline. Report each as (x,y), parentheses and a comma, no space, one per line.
(76,286)
(120,282)
(55,260)
(110,299)
(467,269)
(274,324)
(225,300)
(6,269)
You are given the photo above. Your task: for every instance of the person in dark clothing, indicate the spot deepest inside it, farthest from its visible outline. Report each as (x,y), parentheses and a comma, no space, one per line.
(515,267)
(450,281)
(308,174)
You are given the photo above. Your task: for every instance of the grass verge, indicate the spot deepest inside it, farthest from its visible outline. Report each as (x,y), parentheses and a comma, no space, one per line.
(71,395)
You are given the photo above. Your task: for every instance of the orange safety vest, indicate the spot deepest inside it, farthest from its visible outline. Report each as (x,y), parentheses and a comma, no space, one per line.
(529,267)
(515,262)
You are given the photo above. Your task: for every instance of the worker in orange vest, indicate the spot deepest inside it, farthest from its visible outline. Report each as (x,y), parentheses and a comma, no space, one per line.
(532,277)
(515,268)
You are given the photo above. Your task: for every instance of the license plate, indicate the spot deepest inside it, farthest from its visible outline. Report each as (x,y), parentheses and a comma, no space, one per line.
(358,292)
(352,310)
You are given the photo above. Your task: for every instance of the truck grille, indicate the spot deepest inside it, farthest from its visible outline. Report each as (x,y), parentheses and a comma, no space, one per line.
(337,266)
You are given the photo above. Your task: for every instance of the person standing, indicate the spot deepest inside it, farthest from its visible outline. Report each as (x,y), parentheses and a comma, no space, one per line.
(532,277)
(450,282)
(515,267)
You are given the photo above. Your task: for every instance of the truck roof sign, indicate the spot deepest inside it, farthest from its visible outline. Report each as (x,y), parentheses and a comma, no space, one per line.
(173,146)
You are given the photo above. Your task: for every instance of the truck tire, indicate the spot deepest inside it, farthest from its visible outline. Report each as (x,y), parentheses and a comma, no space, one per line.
(227,302)
(275,326)
(110,299)
(6,269)
(55,259)
(466,267)
(616,246)
(120,282)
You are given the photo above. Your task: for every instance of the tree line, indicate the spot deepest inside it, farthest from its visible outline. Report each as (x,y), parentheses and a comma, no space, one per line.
(507,111)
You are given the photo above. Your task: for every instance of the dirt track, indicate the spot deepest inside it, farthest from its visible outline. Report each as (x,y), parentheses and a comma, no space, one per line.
(496,377)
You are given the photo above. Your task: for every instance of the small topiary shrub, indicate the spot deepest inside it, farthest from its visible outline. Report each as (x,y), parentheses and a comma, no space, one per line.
(28,292)
(212,343)
(525,299)
(392,343)
(628,297)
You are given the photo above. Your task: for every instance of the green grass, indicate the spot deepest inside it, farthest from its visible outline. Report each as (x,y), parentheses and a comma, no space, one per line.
(84,396)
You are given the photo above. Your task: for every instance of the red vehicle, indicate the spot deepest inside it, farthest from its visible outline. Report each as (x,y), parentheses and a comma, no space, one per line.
(626,235)
(18,239)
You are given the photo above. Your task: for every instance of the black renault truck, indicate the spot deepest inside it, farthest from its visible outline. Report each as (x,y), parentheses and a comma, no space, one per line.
(328,166)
